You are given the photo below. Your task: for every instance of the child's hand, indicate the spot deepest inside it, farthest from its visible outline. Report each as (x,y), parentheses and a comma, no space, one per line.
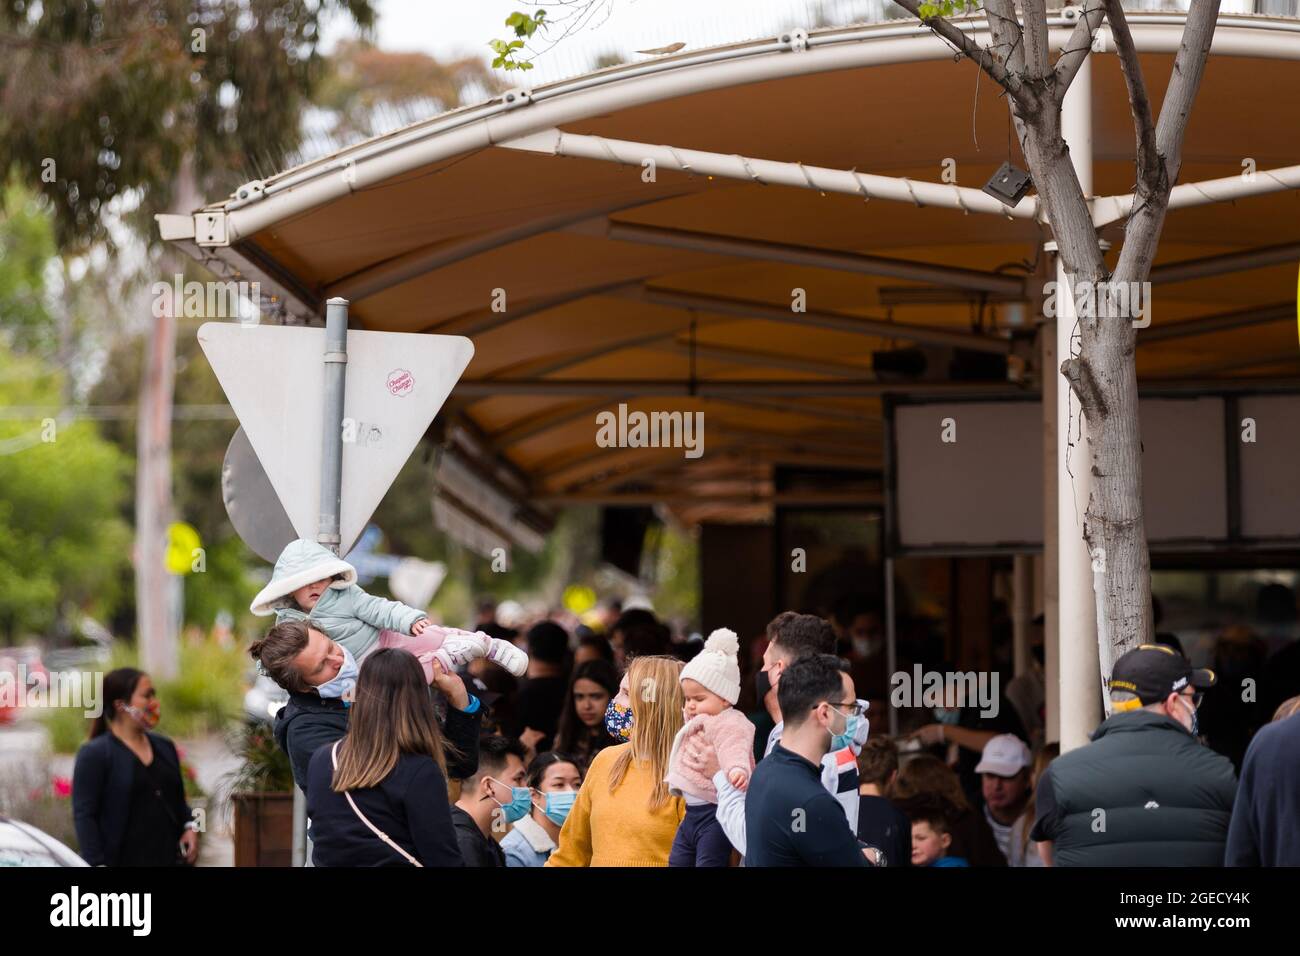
(738,777)
(418,627)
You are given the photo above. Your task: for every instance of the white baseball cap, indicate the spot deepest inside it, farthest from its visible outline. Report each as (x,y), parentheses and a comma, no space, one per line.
(1005,755)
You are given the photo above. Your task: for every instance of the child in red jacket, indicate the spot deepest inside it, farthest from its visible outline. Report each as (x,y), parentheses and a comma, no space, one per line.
(710,684)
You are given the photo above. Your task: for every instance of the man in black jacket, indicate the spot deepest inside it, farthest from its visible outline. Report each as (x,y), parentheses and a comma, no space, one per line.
(790,818)
(485,807)
(1145,792)
(308,721)
(1265,830)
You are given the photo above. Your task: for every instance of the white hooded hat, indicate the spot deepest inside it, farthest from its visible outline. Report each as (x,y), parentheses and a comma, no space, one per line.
(301,563)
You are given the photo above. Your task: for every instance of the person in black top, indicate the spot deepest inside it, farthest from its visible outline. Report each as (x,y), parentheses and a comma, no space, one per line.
(582,731)
(308,720)
(128,797)
(378,797)
(790,817)
(488,803)
(541,696)
(880,823)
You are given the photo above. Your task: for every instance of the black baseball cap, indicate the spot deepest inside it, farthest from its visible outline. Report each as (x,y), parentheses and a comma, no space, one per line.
(1154,671)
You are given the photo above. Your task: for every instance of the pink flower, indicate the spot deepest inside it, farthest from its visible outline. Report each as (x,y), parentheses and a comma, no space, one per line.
(62,787)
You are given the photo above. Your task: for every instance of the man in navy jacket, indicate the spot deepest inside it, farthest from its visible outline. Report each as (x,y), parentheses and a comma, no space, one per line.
(1265,830)
(790,818)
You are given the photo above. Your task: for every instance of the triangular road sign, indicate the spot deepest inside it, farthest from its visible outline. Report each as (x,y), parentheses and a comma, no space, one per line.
(274,375)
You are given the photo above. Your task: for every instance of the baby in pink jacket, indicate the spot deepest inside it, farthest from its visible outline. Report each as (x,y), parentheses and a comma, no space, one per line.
(710,684)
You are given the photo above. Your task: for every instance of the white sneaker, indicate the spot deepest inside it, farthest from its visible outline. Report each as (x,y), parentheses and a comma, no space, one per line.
(508,656)
(461,648)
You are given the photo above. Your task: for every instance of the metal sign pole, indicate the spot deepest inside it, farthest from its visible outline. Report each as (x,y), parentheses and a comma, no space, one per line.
(331,490)
(331,459)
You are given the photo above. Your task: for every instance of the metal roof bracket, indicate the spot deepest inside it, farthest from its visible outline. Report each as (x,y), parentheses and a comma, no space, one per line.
(796,39)
(210,228)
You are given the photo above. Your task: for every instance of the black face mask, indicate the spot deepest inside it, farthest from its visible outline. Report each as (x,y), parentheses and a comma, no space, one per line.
(762,684)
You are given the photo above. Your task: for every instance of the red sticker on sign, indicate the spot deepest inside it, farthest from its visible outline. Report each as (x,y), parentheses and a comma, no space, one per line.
(400,382)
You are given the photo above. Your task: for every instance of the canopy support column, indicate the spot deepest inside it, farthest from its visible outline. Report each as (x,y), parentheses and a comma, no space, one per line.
(1076,609)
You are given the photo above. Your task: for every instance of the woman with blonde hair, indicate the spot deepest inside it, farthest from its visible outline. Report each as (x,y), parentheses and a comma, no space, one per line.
(624,815)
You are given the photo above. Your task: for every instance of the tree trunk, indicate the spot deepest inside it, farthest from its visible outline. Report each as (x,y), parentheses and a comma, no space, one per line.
(153,478)
(1103,377)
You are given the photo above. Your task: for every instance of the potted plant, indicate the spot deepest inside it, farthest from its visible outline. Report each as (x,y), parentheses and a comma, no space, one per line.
(261,796)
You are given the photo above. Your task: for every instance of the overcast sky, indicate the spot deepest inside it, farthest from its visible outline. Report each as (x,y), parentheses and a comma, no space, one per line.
(448,28)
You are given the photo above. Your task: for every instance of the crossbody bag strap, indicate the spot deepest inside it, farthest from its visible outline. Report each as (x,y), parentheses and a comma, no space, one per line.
(334,760)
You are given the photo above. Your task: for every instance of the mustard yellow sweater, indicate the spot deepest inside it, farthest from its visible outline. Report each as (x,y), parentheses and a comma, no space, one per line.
(619,828)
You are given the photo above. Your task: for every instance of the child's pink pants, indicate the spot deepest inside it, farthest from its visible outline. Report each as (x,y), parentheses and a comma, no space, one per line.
(427,646)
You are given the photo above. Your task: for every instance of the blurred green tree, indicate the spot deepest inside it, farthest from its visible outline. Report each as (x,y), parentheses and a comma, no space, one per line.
(101,98)
(62,487)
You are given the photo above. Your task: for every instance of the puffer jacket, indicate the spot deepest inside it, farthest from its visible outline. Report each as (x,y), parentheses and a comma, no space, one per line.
(345,613)
(1145,792)
(732,737)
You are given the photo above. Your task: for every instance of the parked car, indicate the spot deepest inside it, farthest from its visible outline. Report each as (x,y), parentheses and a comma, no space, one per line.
(22,844)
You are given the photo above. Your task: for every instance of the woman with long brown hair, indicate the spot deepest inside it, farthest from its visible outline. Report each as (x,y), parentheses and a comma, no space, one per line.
(378,797)
(582,724)
(624,814)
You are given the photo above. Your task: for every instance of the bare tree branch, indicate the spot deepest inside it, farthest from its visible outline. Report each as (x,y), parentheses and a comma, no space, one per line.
(1150,170)
(1142,231)
(1184,82)
(1078,46)
(1037,54)
(1008,42)
(983,56)
(1091,399)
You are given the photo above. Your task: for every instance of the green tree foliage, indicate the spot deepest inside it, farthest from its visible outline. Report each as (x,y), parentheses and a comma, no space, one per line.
(62,488)
(524,25)
(948,8)
(26,248)
(99,98)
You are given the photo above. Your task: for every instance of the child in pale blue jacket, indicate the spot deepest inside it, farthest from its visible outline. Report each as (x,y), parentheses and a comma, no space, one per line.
(310,583)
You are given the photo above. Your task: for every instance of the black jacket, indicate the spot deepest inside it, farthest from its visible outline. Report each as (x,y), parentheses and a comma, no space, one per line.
(1145,792)
(1265,830)
(883,825)
(101,794)
(410,805)
(791,819)
(475,848)
(308,721)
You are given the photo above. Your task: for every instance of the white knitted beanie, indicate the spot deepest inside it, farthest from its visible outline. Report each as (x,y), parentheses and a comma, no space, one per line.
(716,666)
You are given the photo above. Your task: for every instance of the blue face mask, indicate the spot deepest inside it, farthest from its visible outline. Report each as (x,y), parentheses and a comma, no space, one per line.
(840,741)
(558,805)
(344,681)
(521,802)
(947,715)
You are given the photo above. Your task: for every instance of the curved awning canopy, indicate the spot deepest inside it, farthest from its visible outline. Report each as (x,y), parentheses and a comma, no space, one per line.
(794,170)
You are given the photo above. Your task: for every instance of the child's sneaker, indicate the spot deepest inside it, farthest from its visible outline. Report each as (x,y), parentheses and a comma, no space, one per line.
(461,647)
(508,656)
